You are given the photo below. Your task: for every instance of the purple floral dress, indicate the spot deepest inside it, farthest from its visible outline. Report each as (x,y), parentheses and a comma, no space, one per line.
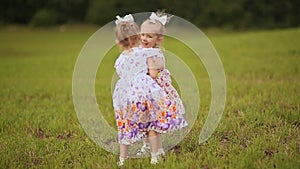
(140,104)
(165,82)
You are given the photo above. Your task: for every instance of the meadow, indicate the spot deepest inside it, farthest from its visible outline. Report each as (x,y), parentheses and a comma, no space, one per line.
(259,128)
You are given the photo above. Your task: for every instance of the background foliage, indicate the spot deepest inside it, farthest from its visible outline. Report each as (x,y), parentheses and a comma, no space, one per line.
(236,14)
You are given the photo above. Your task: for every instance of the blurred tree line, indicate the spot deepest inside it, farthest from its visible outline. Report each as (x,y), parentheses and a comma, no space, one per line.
(236,14)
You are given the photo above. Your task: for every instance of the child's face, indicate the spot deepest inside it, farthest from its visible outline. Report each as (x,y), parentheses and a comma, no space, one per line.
(150,34)
(149,40)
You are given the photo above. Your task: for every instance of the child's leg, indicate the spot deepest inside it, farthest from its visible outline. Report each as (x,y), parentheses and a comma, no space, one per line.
(123,150)
(152,137)
(123,154)
(159,141)
(160,148)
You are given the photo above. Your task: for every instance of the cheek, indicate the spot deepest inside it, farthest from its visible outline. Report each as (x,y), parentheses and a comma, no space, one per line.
(153,41)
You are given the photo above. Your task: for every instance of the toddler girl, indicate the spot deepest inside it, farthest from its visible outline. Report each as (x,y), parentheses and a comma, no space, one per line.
(151,35)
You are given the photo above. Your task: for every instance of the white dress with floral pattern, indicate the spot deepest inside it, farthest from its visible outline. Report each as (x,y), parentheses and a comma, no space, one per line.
(140,104)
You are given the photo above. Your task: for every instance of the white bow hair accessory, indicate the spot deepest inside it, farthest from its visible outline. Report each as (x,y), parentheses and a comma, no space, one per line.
(162,19)
(126,18)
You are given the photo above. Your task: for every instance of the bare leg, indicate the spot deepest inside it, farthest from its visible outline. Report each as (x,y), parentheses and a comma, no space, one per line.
(123,150)
(160,148)
(123,154)
(152,137)
(159,141)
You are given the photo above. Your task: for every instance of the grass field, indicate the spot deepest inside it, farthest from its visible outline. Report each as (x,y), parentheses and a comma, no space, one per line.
(259,128)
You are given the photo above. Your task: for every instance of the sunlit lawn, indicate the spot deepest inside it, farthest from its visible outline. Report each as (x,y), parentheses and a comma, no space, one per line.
(259,128)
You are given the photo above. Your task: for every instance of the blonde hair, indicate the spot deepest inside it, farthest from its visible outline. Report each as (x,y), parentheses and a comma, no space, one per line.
(127,34)
(155,27)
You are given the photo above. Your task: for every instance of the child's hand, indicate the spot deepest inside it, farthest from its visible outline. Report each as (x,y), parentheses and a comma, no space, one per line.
(153,72)
(158,74)
(153,69)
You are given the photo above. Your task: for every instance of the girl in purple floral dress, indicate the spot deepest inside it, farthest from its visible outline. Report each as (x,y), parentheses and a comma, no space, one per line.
(142,109)
(151,36)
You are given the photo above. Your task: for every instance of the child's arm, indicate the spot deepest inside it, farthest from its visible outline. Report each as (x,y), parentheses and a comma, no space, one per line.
(153,69)
(159,63)
(155,63)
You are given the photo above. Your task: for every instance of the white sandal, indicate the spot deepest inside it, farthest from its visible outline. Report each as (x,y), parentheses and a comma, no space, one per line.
(161,152)
(121,161)
(154,158)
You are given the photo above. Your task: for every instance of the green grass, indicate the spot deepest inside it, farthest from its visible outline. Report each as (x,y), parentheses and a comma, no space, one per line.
(259,128)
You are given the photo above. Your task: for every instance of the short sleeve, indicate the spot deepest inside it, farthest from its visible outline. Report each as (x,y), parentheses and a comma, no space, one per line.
(153,52)
(155,57)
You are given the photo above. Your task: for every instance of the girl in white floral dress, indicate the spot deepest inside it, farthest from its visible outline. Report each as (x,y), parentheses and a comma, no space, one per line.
(142,109)
(151,35)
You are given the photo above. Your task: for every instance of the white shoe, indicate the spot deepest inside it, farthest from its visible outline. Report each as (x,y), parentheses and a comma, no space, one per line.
(144,149)
(154,158)
(161,152)
(121,161)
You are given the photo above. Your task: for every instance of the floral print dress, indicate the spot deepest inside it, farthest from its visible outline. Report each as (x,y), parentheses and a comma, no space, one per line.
(140,104)
(165,82)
